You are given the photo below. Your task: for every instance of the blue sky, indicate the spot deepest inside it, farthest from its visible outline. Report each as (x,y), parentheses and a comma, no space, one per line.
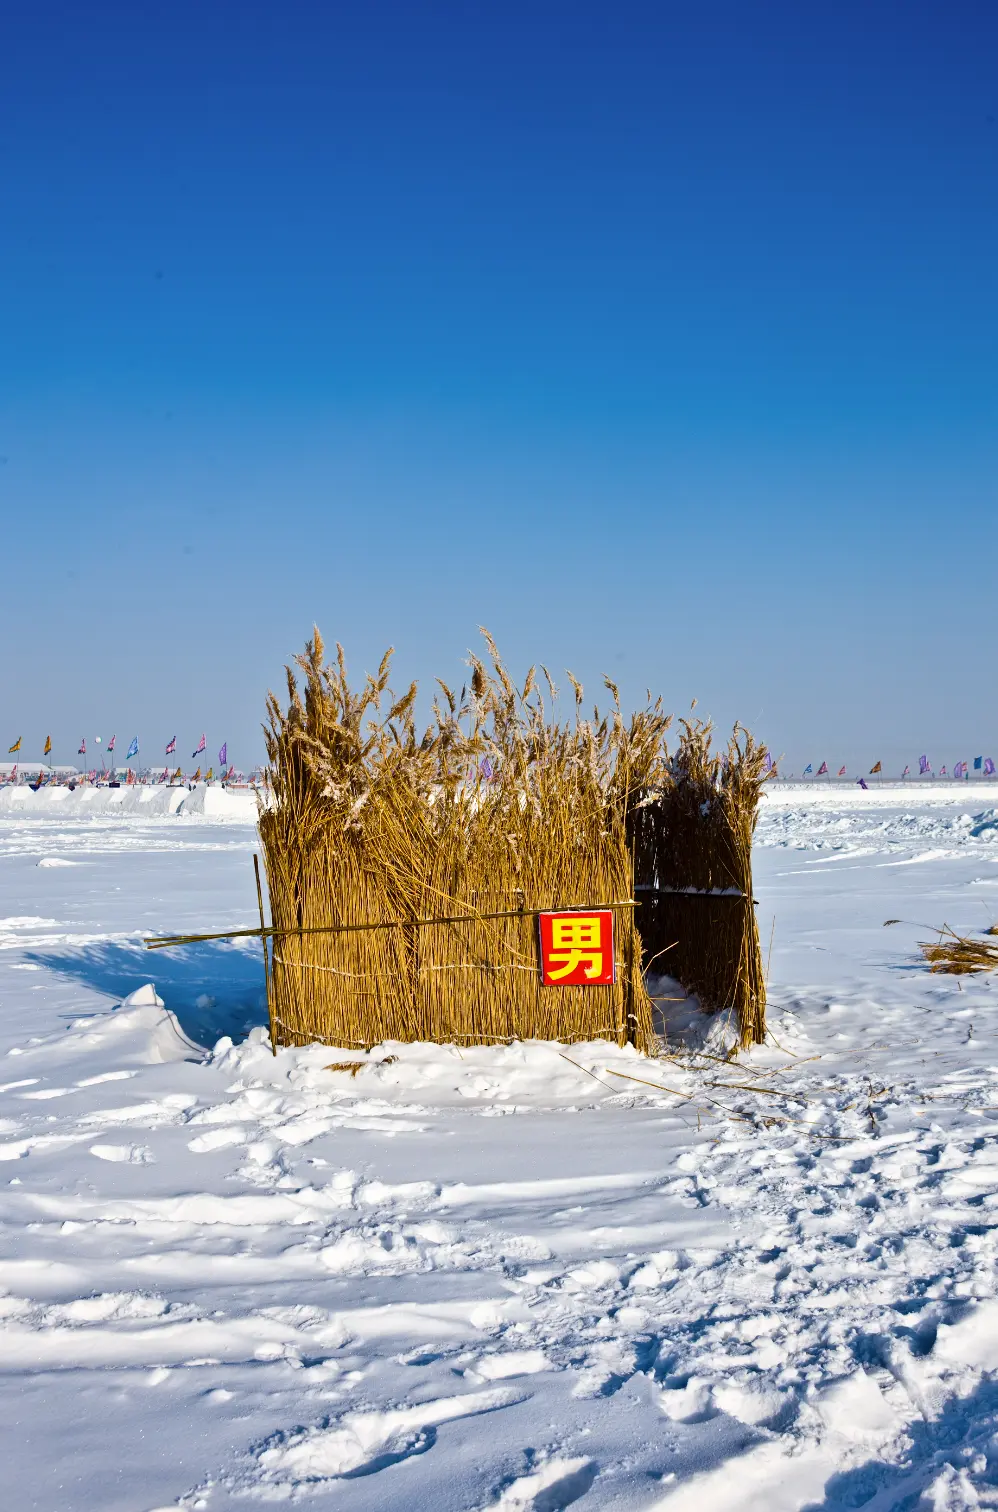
(659,338)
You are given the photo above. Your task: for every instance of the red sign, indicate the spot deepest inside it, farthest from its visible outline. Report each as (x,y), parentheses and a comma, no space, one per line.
(577,949)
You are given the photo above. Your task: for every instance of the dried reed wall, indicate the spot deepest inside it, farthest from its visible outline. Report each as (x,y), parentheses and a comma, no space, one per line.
(496,806)
(692,846)
(493,808)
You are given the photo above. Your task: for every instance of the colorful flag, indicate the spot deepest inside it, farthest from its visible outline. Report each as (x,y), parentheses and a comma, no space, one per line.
(959,769)
(133,749)
(166,775)
(808,768)
(978,763)
(197,775)
(823,769)
(110,744)
(172,746)
(767,762)
(211,771)
(228,775)
(223,755)
(178,775)
(842,771)
(200,747)
(906,771)
(863,783)
(486,769)
(942,771)
(875,769)
(83,747)
(15,747)
(13,775)
(989,767)
(48,746)
(923,766)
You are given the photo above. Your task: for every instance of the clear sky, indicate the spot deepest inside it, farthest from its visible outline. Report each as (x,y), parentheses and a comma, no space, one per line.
(662,339)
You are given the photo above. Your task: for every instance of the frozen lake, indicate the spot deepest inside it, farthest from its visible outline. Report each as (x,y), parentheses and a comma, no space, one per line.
(497,1277)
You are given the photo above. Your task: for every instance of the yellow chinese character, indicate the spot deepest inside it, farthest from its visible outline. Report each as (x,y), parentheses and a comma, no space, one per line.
(575,942)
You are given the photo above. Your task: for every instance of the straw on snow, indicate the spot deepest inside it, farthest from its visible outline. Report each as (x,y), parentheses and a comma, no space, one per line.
(957,955)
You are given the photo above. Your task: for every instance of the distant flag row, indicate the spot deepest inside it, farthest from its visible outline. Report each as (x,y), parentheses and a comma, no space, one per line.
(962,768)
(133,749)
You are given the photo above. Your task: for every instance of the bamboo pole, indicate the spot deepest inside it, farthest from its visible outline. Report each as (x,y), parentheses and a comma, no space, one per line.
(268,931)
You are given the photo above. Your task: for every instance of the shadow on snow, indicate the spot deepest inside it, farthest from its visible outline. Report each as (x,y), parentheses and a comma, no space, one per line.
(959,1442)
(213,989)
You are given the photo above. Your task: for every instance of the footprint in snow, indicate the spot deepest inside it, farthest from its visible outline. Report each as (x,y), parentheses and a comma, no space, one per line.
(124,1154)
(554,1485)
(362,1443)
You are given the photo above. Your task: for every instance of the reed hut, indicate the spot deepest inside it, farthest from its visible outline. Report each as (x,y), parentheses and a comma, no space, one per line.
(691,839)
(406,868)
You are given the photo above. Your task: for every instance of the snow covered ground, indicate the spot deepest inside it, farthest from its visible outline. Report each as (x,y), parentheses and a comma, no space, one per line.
(154,801)
(503,1278)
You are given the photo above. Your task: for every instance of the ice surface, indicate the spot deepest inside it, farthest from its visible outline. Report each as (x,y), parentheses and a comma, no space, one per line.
(509,1277)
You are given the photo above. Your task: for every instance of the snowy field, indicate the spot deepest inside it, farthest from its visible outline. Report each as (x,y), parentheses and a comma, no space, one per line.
(497,1278)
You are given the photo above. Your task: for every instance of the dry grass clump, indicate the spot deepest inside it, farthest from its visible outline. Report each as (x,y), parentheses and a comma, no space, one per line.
(494,807)
(692,843)
(957,955)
